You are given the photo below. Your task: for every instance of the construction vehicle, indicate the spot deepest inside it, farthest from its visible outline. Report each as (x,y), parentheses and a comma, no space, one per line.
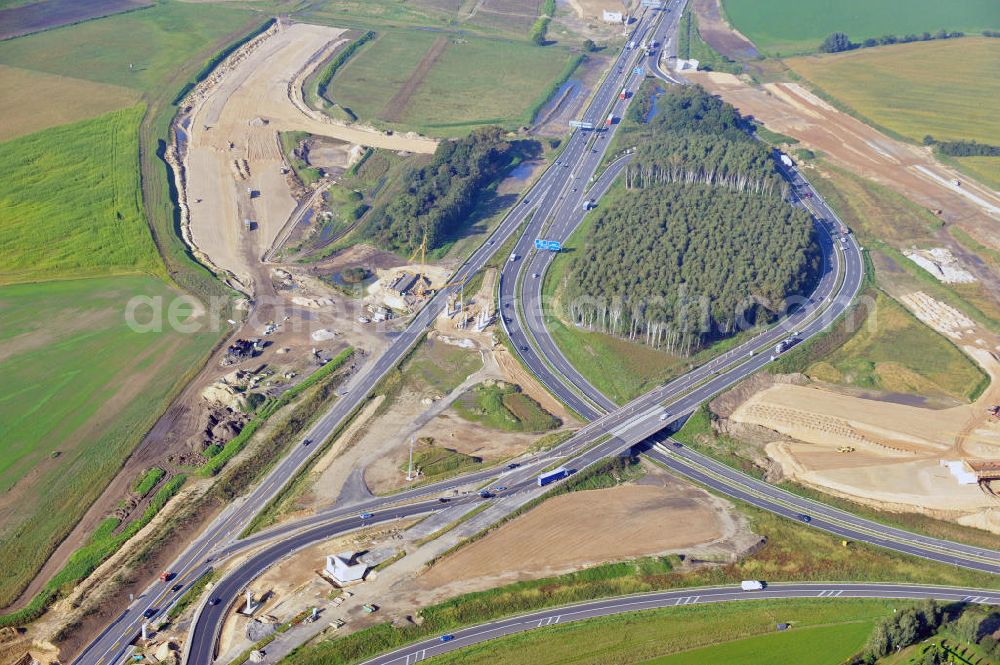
(994,411)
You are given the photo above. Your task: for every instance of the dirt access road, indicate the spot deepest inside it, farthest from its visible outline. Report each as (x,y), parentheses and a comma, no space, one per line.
(789,108)
(233,146)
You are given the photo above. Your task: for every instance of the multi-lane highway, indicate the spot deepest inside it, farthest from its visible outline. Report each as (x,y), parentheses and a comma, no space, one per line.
(551,209)
(435,646)
(111,645)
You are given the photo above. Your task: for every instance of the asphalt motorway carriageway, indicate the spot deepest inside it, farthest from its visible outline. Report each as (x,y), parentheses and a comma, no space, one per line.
(558,220)
(112,644)
(639,422)
(642,419)
(466,637)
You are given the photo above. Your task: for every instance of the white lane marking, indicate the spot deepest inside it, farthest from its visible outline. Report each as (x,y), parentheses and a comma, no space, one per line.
(975,599)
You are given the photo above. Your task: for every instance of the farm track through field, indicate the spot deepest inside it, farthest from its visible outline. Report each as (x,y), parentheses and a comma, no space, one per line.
(394,108)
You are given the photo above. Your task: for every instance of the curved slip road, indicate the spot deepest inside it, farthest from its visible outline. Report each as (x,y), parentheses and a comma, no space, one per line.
(112,643)
(547,206)
(492,630)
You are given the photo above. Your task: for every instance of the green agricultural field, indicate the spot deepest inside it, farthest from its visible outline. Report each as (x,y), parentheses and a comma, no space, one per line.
(69,202)
(85,388)
(34,100)
(816,645)
(917,89)
(741,633)
(154,41)
(380,14)
(894,351)
(472,81)
(785,27)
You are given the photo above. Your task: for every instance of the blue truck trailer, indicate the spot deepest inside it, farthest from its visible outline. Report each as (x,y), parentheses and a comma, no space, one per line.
(552,476)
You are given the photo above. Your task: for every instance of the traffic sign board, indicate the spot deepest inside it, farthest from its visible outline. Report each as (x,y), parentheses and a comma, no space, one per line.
(548,245)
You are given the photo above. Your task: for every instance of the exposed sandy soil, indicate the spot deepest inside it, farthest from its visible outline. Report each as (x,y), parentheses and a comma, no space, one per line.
(789,108)
(368,458)
(594,9)
(582,529)
(718,34)
(294,585)
(898,449)
(256,97)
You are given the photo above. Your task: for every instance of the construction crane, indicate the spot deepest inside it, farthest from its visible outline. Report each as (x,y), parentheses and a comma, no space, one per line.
(422,250)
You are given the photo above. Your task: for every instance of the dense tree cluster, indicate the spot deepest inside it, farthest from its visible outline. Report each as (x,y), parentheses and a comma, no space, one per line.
(675,266)
(700,243)
(963,148)
(439,196)
(744,166)
(691,109)
(909,626)
(838,41)
(835,43)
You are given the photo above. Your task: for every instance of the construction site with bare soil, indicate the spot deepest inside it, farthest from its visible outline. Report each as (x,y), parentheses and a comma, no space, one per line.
(894,452)
(430,423)
(391,572)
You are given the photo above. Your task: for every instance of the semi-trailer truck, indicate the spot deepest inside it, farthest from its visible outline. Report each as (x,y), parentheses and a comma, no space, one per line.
(552,476)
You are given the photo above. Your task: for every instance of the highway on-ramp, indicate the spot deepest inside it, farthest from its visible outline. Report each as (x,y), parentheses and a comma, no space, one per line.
(459,639)
(552,208)
(113,643)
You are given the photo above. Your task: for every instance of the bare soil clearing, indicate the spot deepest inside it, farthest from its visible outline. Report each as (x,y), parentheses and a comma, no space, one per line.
(894,451)
(234,162)
(718,34)
(912,171)
(582,529)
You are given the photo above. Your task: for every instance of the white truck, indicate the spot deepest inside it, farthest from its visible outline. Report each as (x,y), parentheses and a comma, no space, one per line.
(786,160)
(513,257)
(752,585)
